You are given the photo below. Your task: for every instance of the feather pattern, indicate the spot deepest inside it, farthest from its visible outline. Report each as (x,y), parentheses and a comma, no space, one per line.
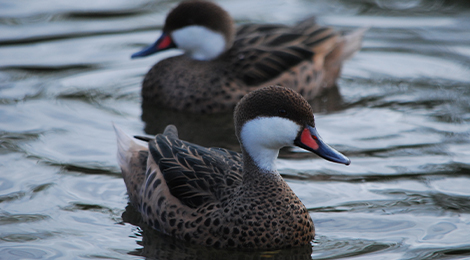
(261,53)
(195,175)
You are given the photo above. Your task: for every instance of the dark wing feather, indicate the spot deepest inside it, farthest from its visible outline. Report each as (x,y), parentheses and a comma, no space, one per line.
(248,29)
(194,174)
(260,53)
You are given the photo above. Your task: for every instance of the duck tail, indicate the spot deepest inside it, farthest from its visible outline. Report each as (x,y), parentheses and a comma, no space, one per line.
(132,157)
(346,45)
(127,146)
(351,43)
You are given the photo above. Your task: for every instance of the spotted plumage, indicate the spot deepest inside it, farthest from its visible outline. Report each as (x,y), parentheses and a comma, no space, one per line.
(216,197)
(305,57)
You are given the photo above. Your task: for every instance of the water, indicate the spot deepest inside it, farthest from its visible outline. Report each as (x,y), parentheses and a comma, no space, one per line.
(403,119)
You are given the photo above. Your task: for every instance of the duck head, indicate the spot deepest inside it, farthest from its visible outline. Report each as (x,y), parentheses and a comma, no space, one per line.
(203,30)
(273,117)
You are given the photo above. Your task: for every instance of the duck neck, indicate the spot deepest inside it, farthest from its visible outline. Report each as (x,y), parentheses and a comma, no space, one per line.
(255,173)
(260,139)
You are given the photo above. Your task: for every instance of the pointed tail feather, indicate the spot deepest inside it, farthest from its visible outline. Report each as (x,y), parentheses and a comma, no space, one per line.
(127,147)
(352,42)
(347,45)
(132,157)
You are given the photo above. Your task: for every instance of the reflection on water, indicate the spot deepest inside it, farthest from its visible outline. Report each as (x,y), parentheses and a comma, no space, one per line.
(401,112)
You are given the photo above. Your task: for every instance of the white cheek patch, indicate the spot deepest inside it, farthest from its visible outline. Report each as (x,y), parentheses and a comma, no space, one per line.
(262,138)
(199,42)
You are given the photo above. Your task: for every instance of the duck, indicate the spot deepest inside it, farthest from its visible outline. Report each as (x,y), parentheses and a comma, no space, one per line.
(221,63)
(220,198)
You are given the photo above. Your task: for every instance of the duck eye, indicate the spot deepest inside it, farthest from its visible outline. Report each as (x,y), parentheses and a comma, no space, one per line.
(282,112)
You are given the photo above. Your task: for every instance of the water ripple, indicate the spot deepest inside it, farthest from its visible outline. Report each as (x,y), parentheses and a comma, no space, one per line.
(8,219)
(29,252)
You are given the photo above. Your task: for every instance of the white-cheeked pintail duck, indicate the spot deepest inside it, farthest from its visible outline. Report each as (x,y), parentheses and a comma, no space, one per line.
(221,64)
(220,198)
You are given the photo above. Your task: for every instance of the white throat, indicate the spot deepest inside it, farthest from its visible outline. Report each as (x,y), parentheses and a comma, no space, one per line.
(199,42)
(262,138)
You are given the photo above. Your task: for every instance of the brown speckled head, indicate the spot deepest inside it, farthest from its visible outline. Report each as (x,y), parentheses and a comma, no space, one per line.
(273,101)
(201,13)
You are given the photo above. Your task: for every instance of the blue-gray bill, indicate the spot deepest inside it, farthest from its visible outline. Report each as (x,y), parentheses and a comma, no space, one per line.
(163,43)
(310,140)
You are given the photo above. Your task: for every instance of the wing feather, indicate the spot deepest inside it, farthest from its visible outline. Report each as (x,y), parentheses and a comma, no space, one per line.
(261,53)
(195,175)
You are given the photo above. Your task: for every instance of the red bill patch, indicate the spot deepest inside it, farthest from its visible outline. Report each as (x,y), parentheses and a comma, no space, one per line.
(164,43)
(307,139)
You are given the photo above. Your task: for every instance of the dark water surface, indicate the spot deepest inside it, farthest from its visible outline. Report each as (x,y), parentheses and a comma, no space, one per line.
(401,113)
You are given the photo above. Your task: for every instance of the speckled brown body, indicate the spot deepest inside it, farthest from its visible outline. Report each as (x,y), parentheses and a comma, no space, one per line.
(253,210)
(196,86)
(305,57)
(191,85)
